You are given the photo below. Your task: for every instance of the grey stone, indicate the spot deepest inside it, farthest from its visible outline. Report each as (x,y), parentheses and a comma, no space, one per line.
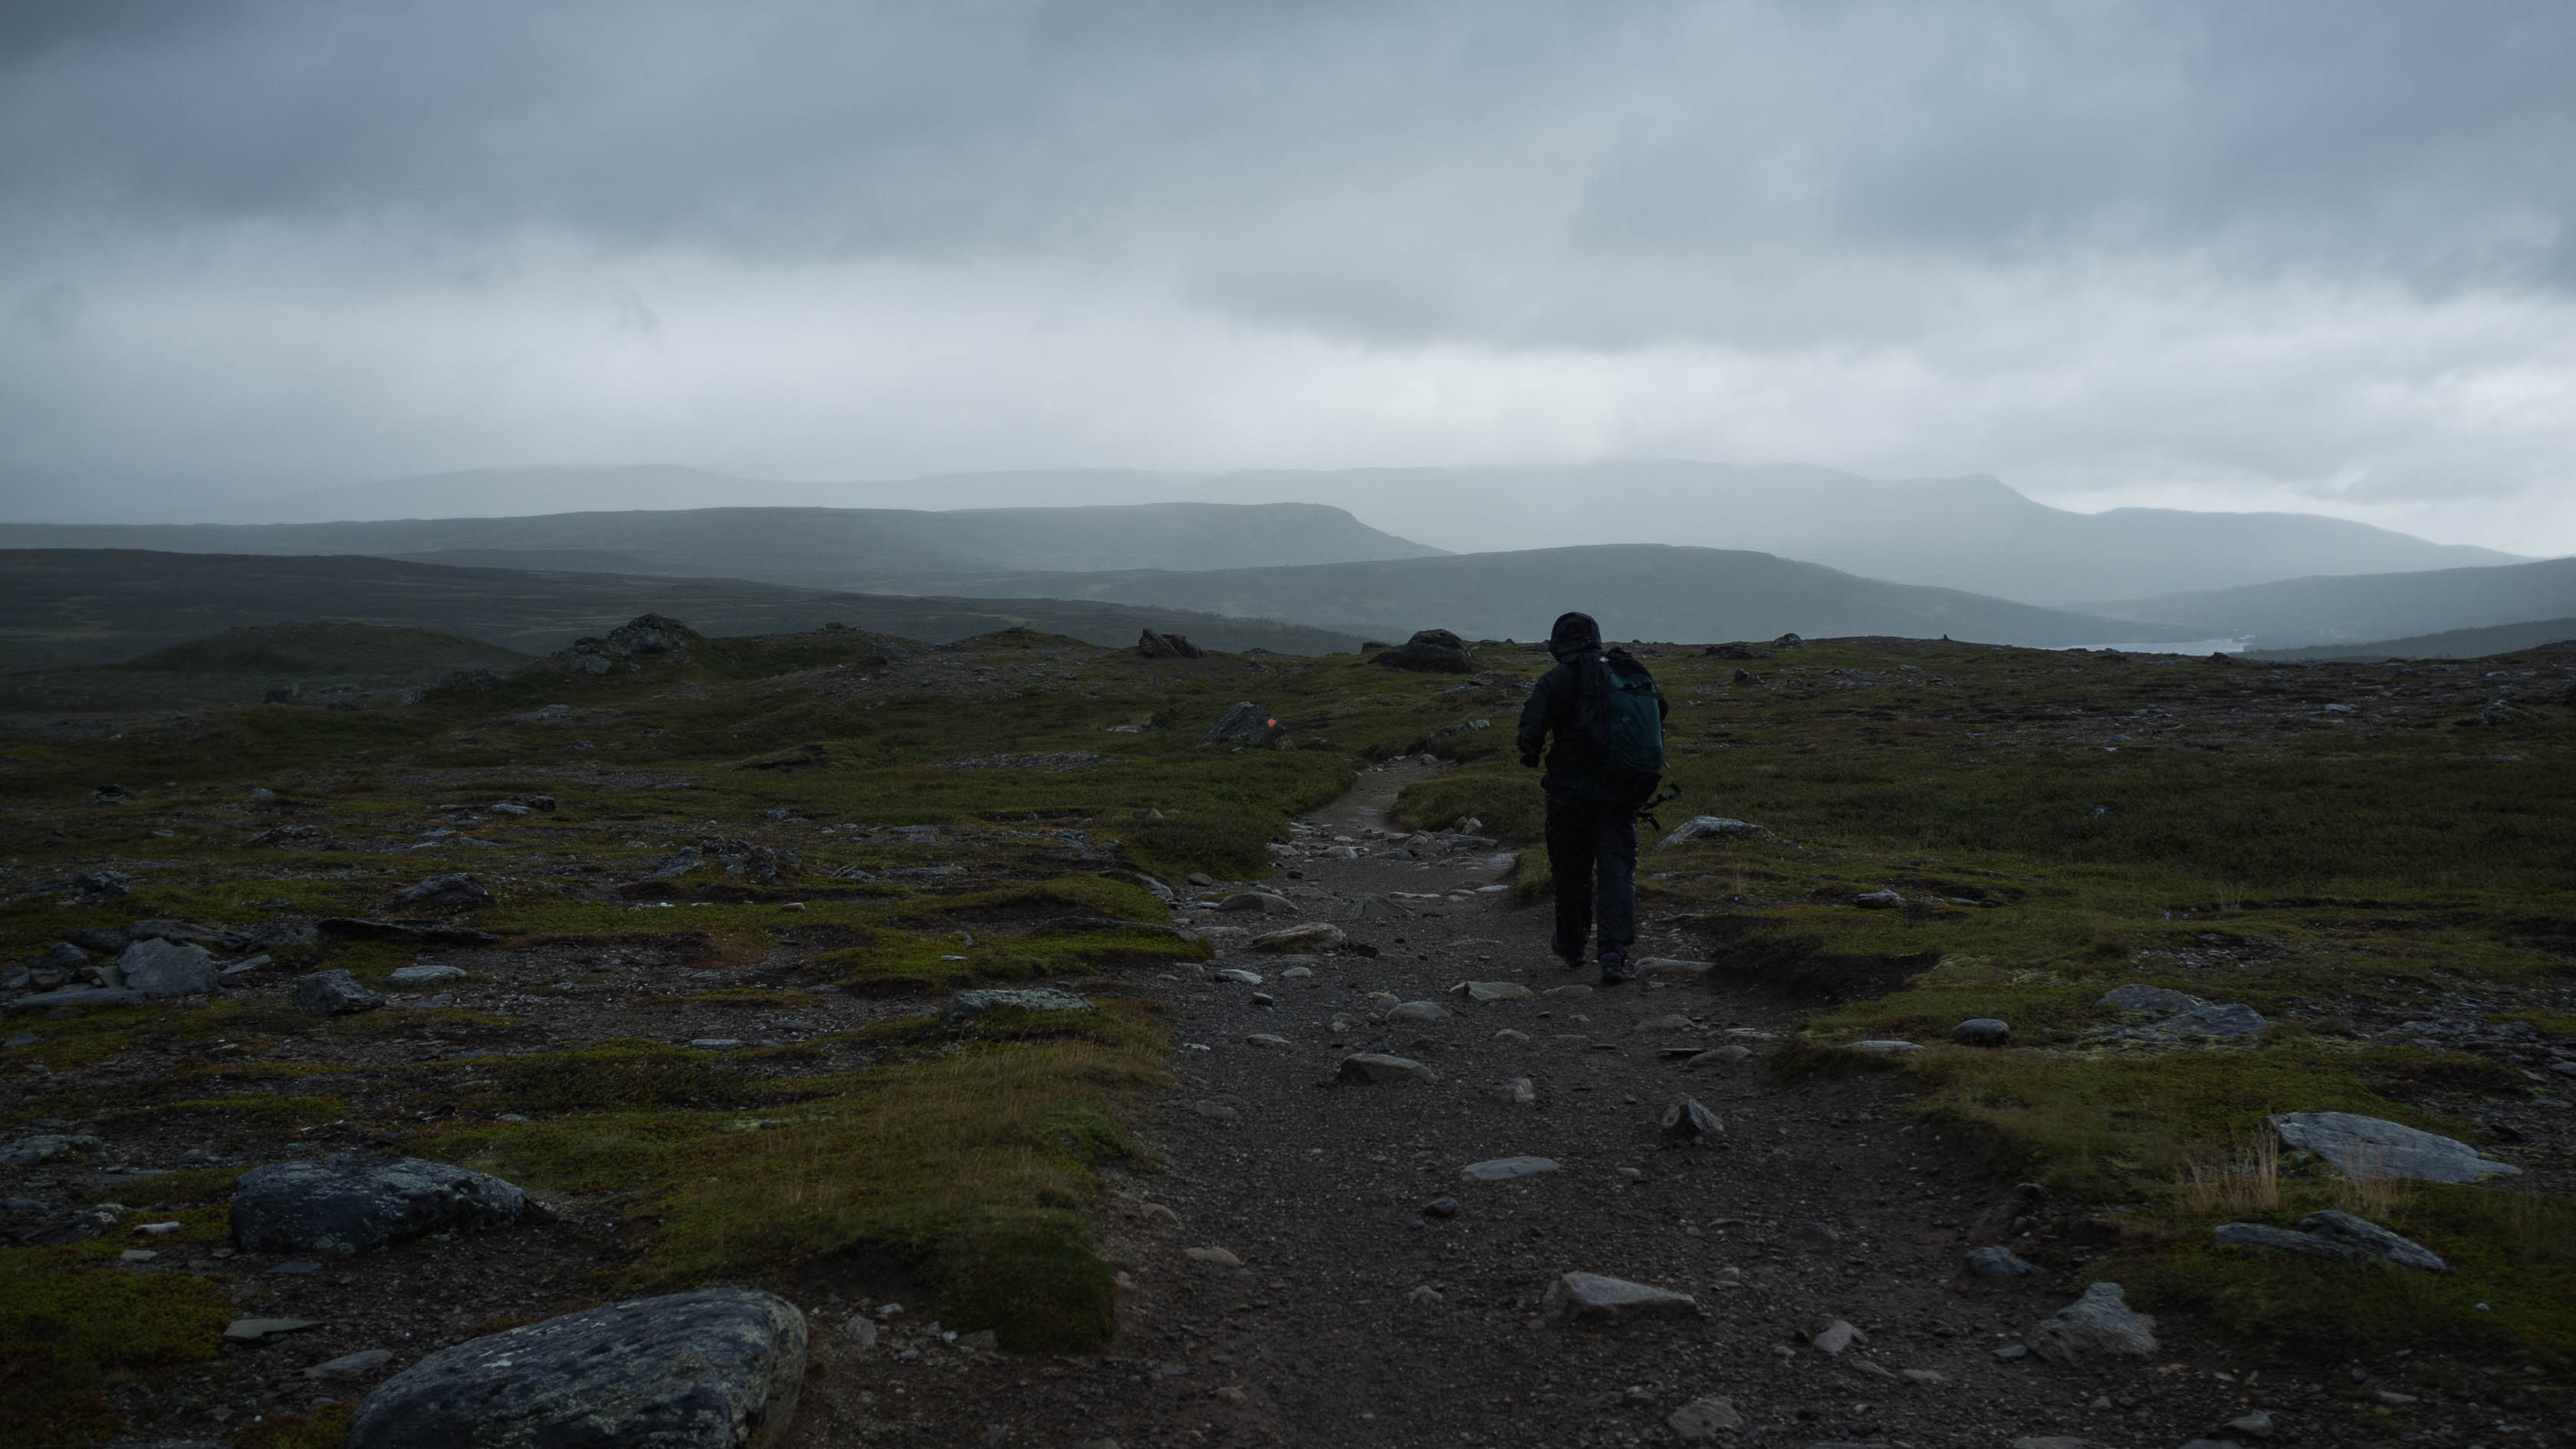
(1887,1047)
(716,1369)
(1026,998)
(1504,1169)
(2256,1425)
(60,956)
(2013,1351)
(1518,1092)
(333,993)
(1878,900)
(1492,990)
(2336,1235)
(2210,1019)
(29,1151)
(1368,1067)
(257,1330)
(1703,1419)
(1981,1031)
(1238,975)
(1268,1039)
(1597,1298)
(1706,827)
(1300,940)
(1688,1119)
(2139,997)
(1673,966)
(1374,907)
(2370,1147)
(1430,651)
(1834,1337)
(425,975)
(1244,723)
(862,1330)
(1269,903)
(454,892)
(349,1204)
(1997,1263)
(2053,1441)
(74,996)
(1724,1056)
(1441,1207)
(1417,1011)
(352,1365)
(2099,1325)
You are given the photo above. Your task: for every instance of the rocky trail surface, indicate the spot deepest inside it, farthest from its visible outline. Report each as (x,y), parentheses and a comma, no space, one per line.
(1326,1261)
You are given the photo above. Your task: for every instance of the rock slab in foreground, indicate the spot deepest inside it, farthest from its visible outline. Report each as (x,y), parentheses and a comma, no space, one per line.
(2336,1235)
(349,1204)
(333,993)
(1368,1067)
(715,1369)
(2099,1325)
(161,969)
(1595,1298)
(2369,1147)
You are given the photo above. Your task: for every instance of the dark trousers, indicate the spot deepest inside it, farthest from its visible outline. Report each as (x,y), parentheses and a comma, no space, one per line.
(1592,852)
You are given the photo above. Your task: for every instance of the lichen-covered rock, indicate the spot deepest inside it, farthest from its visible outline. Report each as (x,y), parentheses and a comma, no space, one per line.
(2099,1325)
(716,1369)
(161,968)
(349,1204)
(333,993)
(2370,1147)
(1031,998)
(1597,1298)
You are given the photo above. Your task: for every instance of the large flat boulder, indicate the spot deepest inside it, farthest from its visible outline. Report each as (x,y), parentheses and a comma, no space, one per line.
(715,1369)
(2094,1328)
(2371,1147)
(352,1203)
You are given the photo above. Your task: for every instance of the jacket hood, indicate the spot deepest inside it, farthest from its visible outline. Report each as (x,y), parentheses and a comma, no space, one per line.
(1572,634)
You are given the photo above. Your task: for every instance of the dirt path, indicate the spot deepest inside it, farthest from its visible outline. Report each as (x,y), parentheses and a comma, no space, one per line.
(1353,1306)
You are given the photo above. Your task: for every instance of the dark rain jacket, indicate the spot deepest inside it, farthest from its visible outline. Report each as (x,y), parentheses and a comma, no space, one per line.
(1575,765)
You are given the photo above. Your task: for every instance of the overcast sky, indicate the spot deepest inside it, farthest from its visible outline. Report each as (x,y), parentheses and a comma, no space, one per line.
(2221,255)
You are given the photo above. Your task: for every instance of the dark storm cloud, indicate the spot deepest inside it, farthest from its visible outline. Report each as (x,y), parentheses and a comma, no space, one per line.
(1487,170)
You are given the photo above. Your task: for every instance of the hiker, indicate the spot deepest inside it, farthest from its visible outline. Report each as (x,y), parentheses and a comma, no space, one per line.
(1608,757)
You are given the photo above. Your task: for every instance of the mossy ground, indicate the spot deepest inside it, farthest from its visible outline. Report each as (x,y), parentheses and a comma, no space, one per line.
(2338,872)
(2064,823)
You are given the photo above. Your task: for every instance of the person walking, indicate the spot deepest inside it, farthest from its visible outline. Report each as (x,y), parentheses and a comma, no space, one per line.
(1607,718)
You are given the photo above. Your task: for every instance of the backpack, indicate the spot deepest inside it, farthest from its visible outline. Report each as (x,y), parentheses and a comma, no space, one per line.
(1622,714)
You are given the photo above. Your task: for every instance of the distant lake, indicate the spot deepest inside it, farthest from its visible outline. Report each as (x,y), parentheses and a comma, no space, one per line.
(2187,646)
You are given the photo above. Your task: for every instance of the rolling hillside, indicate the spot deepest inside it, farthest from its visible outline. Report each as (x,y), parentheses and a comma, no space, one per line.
(1638,591)
(96,606)
(2300,613)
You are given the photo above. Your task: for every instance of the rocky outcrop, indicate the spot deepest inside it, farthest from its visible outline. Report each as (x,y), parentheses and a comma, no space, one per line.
(1167,646)
(2100,1325)
(349,1204)
(446,892)
(715,1369)
(2369,1147)
(334,993)
(161,968)
(645,634)
(1243,723)
(1431,651)
(2334,1235)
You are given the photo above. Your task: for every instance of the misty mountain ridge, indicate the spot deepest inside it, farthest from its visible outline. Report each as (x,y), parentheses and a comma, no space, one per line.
(1972,532)
(1637,591)
(806,547)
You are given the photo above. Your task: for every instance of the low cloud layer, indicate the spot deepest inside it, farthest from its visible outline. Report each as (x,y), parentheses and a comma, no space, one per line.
(2305,256)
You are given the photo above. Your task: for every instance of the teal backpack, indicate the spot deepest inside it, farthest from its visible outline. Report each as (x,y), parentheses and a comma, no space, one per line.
(1623,714)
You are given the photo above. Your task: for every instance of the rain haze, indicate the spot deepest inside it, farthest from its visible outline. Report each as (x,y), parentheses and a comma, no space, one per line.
(2295,257)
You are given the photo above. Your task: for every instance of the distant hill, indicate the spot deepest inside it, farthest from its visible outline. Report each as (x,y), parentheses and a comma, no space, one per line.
(2452,644)
(241,664)
(809,547)
(96,606)
(1972,533)
(1638,591)
(2300,613)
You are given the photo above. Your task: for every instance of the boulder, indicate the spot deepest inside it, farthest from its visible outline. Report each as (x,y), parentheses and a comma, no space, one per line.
(715,1369)
(1596,1298)
(60,956)
(160,968)
(1703,1419)
(2370,1240)
(1364,1068)
(2139,997)
(1166,646)
(30,1151)
(351,1203)
(1709,827)
(1243,723)
(1689,1120)
(2368,1147)
(74,996)
(1981,1031)
(1300,940)
(2224,1021)
(2100,1325)
(1430,651)
(448,892)
(333,993)
(1674,967)
(1268,903)
(1421,1013)
(414,976)
(1491,990)
(1878,900)
(1028,998)
(1997,1263)
(1374,907)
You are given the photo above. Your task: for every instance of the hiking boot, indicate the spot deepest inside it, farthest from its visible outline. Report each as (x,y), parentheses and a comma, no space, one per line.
(1573,959)
(1614,968)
